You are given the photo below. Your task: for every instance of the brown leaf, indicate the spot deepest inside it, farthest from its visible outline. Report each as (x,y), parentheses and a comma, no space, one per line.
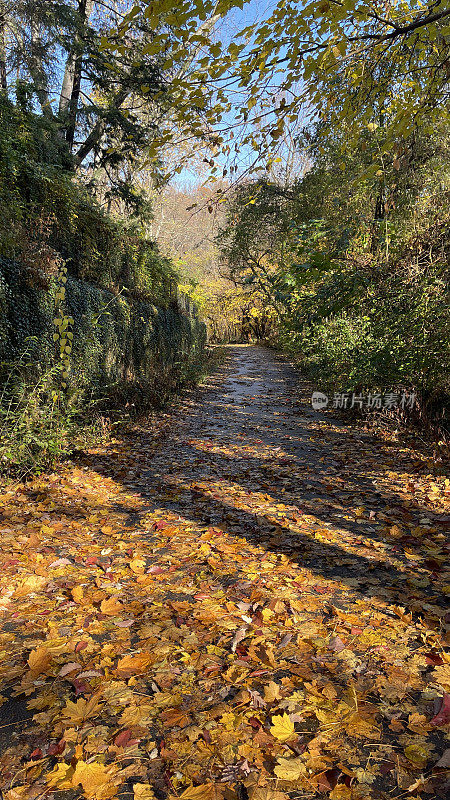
(444,761)
(239,636)
(122,738)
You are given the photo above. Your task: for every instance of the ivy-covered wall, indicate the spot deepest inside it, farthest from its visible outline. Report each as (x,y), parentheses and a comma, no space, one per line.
(118,341)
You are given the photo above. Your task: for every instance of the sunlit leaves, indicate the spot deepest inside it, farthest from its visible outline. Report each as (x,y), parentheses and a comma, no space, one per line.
(349,63)
(290,769)
(143,791)
(98,782)
(39,660)
(264,649)
(282,727)
(78,712)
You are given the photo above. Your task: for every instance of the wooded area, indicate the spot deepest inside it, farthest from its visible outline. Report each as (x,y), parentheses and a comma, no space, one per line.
(211,586)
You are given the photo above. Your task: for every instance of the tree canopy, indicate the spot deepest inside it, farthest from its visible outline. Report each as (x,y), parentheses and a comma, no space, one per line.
(350,64)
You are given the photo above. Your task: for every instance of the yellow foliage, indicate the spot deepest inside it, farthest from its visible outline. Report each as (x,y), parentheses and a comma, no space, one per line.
(282,727)
(290,769)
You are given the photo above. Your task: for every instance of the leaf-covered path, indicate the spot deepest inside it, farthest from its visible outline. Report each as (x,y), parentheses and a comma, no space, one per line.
(246,602)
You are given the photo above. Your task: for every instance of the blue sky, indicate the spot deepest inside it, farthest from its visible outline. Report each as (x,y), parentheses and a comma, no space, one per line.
(252,12)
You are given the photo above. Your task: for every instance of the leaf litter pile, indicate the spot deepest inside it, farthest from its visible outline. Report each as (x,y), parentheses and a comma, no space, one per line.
(248,603)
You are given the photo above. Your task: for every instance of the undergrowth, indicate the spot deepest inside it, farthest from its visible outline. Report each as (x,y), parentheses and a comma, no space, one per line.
(41,425)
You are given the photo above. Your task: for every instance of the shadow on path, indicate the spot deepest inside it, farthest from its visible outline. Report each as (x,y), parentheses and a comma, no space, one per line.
(248,458)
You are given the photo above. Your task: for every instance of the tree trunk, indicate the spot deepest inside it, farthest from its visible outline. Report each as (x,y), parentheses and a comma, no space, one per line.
(98,130)
(3,81)
(67,84)
(377,217)
(73,73)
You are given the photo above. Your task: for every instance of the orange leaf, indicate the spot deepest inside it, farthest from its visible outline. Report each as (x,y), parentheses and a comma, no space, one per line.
(111,606)
(39,660)
(78,594)
(134,664)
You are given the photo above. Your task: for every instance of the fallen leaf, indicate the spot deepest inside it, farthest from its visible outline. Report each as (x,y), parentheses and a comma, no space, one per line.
(290,769)
(203,792)
(77,713)
(443,715)
(61,777)
(137,565)
(444,761)
(282,727)
(272,692)
(98,781)
(143,791)
(134,664)
(239,636)
(39,660)
(111,607)
(417,754)
(265,793)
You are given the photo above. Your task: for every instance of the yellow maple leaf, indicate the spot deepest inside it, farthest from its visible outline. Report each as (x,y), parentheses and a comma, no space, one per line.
(47,530)
(143,791)
(441,675)
(229,720)
(342,792)
(137,715)
(39,660)
(61,776)
(31,584)
(77,713)
(99,782)
(282,727)
(290,769)
(78,594)
(264,793)
(363,728)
